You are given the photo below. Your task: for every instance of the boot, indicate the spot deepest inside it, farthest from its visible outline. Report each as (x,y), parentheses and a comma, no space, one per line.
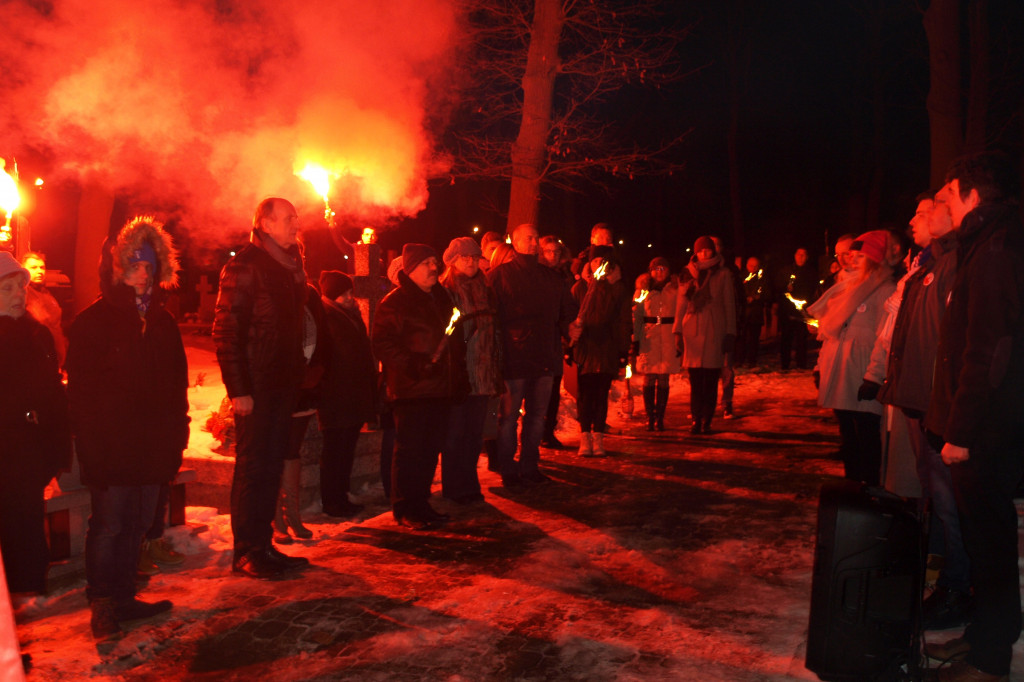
(281,535)
(160,551)
(146,567)
(290,498)
(586,444)
(103,621)
(134,609)
(599,444)
(660,403)
(650,406)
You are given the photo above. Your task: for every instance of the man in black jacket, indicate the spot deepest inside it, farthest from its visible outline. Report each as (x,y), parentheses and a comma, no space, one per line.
(257,330)
(424,368)
(535,310)
(976,402)
(127,385)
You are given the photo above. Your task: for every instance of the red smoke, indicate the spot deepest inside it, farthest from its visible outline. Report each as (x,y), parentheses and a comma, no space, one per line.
(214,105)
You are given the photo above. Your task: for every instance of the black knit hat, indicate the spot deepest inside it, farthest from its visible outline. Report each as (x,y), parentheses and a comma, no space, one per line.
(334,283)
(414,254)
(704,243)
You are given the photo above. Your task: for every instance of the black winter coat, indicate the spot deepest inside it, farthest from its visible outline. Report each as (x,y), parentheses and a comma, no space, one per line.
(607,326)
(36,441)
(128,390)
(348,390)
(535,308)
(257,325)
(979,372)
(408,327)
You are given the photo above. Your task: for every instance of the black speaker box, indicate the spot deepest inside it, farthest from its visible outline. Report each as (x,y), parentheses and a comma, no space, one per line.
(866,587)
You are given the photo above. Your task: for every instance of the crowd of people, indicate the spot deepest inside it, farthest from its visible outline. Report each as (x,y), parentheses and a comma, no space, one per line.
(470,343)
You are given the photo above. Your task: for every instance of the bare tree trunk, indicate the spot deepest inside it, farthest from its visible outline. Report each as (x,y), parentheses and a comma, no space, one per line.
(877,160)
(737,60)
(942,26)
(529,152)
(978,92)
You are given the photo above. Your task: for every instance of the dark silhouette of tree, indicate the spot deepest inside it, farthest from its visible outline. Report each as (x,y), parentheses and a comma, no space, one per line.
(535,108)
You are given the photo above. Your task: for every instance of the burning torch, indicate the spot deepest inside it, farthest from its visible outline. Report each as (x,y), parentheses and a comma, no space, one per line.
(321,181)
(447,334)
(9,200)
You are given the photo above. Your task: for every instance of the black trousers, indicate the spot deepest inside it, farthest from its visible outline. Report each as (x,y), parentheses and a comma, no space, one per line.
(792,336)
(263,438)
(703,392)
(336,464)
(22,535)
(592,407)
(421,427)
(860,434)
(984,487)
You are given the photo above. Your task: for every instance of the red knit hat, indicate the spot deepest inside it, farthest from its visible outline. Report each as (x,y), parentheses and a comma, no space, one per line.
(872,244)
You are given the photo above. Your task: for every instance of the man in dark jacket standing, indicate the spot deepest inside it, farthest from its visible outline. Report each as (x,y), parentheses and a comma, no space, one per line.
(424,368)
(257,329)
(908,386)
(535,310)
(127,385)
(976,401)
(800,281)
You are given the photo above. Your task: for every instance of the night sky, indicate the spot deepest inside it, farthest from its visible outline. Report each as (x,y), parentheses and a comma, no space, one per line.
(804,142)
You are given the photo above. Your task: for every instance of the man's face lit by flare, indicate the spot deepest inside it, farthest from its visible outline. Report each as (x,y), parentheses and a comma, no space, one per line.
(36,270)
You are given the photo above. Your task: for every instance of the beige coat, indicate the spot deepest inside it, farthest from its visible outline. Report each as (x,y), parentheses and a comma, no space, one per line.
(705,327)
(844,356)
(657,344)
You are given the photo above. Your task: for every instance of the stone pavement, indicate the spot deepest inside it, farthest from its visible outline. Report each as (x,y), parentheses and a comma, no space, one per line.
(673,558)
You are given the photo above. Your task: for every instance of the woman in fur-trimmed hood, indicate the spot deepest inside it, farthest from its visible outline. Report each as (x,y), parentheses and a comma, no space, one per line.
(127,386)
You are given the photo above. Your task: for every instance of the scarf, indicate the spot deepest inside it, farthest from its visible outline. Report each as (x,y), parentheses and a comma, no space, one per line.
(697,292)
(289,257)
(834,309)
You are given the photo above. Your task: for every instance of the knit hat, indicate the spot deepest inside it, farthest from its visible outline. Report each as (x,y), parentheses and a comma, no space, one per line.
(872,244)
(393,269)
(659,262)
(9,265)
(602,252)
(704,243)
(461,246)
(333,283)
(414,254)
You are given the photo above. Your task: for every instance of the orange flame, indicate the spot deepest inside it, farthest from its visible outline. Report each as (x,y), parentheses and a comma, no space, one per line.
(451,323)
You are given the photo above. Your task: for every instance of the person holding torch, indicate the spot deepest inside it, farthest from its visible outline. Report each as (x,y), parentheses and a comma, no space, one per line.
(419,344)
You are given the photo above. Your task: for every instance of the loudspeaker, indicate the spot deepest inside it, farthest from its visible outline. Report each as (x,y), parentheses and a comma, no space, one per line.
(866,587)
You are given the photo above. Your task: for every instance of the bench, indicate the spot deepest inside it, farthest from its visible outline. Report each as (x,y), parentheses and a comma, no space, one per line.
(67,515)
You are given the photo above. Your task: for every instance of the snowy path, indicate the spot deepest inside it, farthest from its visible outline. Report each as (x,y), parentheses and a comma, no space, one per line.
(675,558)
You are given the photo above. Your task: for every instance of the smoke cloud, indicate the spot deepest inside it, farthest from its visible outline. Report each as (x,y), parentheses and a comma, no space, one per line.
(212,105)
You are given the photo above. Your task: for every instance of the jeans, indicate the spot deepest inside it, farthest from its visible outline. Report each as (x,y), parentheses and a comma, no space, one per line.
(985,485)
(462,447)
(535,394)
(728,379)
(937,485)
(263,437)
(156,529)
(120,516)
(420,430)
(592,407)
(703,392)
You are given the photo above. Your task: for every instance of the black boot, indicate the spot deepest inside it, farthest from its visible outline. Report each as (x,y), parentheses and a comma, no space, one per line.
(660,403)
(649,406)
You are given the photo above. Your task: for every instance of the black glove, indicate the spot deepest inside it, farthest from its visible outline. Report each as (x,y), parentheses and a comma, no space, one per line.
(567,356)
(817,379)
(729,343)
(868,390)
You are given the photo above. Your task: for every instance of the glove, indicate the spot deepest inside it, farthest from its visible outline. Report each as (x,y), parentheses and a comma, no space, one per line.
(679,344)
(817,379)
(567,356)
(868,390)
(729,343)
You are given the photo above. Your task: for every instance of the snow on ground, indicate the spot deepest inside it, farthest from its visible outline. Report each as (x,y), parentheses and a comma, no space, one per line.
(676,558)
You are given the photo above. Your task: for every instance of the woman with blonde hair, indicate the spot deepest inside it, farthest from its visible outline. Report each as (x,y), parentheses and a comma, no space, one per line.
(850,317)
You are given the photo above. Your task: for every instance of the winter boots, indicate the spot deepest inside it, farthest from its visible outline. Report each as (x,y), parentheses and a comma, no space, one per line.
(598,441)
(288,505)
(650,407)
(660,403)
(586,444)
(103,621)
